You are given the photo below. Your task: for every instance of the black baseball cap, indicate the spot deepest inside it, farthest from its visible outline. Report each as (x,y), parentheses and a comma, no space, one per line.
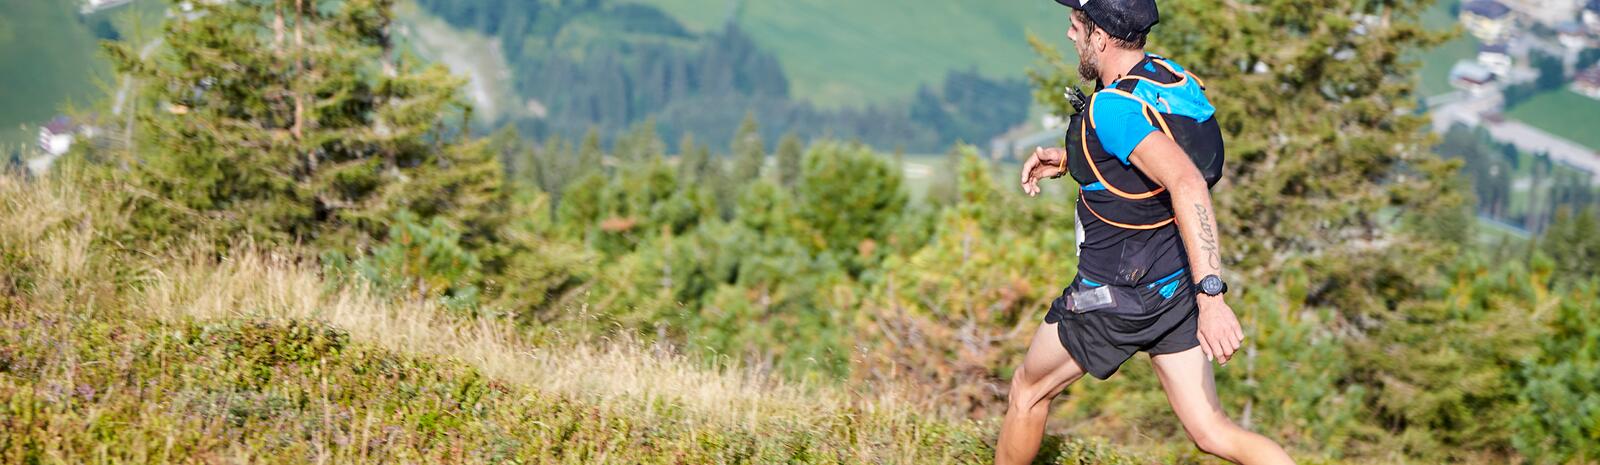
(1124,19)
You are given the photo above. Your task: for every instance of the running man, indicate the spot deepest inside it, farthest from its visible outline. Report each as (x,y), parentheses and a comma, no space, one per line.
(1144,152)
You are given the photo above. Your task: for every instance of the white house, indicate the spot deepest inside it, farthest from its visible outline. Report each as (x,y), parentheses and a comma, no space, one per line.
(1496,58)
(55,138)
(1489,20)
(1472,77)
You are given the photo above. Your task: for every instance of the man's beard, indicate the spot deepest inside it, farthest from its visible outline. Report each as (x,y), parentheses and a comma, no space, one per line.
(1088,66)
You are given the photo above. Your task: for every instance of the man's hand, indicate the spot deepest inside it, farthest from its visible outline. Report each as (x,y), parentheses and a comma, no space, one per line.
(1046,162)
(1219,332)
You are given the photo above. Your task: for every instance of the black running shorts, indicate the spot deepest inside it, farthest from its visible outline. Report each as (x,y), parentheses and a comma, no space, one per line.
(1156,318)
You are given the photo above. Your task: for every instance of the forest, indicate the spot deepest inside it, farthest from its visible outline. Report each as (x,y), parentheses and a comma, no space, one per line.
(610,65)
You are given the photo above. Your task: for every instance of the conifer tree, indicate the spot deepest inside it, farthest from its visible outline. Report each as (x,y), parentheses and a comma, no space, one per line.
(1573,243)
(789,153)
(749,151)
(640,144)
(695,164)
(296,121)
(556,164)
(852,197)
(591,156)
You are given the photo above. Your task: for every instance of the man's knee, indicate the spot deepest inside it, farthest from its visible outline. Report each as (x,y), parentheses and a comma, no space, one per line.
(1215,437)
(1028,389)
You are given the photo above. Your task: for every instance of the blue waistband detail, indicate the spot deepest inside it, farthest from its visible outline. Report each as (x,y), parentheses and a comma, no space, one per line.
(1169,277)
(1168,290)
(1170,281)
(1097,186)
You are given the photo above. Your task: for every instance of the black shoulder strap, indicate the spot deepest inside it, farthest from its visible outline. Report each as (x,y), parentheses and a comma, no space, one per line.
(1125,85)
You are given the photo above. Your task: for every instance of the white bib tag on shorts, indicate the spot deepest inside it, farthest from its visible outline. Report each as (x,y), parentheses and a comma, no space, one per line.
(1077,232)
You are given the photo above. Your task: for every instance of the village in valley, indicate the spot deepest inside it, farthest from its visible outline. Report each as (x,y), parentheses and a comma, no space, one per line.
(1525,47)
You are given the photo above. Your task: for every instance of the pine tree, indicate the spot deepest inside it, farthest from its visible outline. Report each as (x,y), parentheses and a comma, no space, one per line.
(1573,242)
(556,164)
(1560,418)
(640,144)
(749,151)
(520,160)
(695,164)
(591,156)
(540,268)
(789,154)
(852,197)
(294,121)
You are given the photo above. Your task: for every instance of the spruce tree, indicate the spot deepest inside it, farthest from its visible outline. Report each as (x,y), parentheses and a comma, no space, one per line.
(591,156)
(640,144)
(789,153)
(1573,242)
(851,196)
(556,163)
(749,151)
(695,165)
(296,121)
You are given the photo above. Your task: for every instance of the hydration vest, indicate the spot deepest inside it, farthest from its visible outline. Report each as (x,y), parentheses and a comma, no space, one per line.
(1129,199)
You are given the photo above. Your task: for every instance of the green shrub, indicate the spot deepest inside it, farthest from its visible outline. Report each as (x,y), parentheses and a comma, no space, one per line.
(419,260)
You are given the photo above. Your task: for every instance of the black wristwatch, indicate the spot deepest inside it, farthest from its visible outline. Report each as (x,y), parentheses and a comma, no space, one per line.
(1212,285)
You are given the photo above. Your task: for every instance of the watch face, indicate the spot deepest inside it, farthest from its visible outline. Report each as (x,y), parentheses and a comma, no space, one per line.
(1211,285)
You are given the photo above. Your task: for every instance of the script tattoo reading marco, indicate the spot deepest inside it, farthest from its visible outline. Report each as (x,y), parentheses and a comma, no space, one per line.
(1208,238)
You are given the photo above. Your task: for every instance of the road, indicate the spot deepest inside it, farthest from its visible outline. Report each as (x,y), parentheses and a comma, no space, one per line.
(1531,139)
(1471,110)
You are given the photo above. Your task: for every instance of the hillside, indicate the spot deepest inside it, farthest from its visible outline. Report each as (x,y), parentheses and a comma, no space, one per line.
(171,358)
(610,65)
(841,52)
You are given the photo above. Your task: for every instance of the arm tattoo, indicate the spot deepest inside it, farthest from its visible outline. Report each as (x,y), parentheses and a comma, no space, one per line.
(1208,238)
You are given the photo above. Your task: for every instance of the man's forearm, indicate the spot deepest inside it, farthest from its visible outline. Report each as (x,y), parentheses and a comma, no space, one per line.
(1197,224)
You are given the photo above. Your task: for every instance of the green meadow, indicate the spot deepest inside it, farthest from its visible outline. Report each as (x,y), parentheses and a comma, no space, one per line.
(843,53)
(1564,113)
(50,60)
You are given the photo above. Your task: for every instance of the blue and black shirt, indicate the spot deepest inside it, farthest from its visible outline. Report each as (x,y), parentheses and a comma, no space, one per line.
(1128,236)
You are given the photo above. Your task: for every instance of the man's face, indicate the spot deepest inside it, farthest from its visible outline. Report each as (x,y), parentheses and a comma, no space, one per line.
(1088,61)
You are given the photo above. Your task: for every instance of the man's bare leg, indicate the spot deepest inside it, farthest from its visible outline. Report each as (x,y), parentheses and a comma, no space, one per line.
(1187,378)
(1046,371)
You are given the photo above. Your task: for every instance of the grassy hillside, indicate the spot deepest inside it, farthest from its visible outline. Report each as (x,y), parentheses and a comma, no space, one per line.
(48,57)
(172,358)
(842,52)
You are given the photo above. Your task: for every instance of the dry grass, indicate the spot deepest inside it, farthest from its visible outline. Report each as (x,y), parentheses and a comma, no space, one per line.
(65,234)
(257,285)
